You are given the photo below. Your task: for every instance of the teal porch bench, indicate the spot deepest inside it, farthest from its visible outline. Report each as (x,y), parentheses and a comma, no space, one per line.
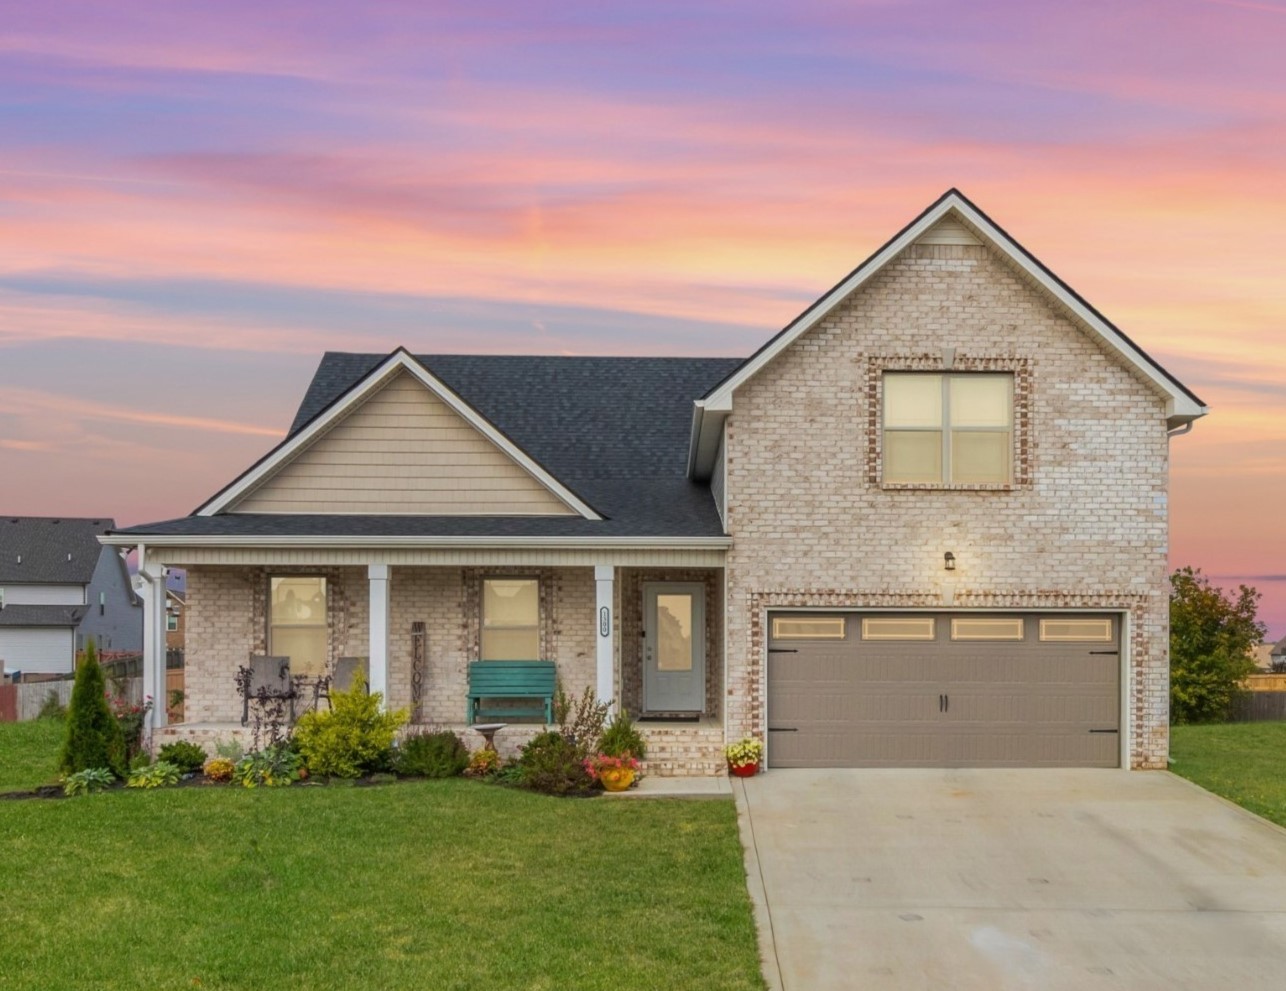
(518,680)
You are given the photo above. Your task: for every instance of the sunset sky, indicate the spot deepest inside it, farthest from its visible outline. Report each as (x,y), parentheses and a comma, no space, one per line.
(196,200)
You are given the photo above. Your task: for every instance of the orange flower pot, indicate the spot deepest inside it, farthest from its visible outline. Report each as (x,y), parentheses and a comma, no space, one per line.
(616,778)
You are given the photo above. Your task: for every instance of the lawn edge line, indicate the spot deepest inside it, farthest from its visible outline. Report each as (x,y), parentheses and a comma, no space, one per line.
(1281,830)
(769,963)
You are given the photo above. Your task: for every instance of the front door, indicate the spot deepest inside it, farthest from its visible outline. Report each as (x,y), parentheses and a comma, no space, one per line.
(674,647)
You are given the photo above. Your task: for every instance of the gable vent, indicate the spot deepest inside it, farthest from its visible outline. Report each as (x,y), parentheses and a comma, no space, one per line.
(948,231)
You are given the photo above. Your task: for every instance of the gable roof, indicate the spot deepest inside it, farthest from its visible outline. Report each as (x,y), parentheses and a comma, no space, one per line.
(357,393)
(1183,405)
(613,429)
(49,550)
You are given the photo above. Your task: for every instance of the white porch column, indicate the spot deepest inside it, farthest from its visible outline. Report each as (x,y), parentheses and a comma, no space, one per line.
(153,576)
(605,580)
(378,575)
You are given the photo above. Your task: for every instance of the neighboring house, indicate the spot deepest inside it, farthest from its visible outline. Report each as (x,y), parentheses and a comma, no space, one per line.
(925,524)
(1277,656)
(59,587)
(175,619)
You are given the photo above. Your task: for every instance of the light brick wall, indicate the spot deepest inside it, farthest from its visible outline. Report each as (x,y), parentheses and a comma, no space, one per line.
(1086,524)
(227,622)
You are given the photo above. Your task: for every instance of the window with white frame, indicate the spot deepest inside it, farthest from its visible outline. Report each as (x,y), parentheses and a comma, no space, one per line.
(171,622)
(948,429)
(297,623)
(510,619)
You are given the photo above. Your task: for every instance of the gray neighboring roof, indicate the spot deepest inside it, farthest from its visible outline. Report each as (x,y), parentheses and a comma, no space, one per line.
(41,615)
(614,430)
(1279,648)
(44,543)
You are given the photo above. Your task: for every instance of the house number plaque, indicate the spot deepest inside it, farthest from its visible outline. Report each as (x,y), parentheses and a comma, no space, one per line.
(604,621)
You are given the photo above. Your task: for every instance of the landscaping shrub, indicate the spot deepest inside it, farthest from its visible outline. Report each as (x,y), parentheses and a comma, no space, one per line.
(130,716)
(622,739)
(184,754)
(352,739)
(51,708)
(158,775)
(219,769)
(93,735)
(552,764)
(274,766)
(431,755)
(483,764)
(1212,636)
(88,781)
(581,720)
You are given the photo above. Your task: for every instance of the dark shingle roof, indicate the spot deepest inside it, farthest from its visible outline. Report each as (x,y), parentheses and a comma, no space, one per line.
(613,430)
(53,550)
(41,615)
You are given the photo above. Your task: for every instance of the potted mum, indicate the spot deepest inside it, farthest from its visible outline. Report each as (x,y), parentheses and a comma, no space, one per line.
(744,756)
(613,773)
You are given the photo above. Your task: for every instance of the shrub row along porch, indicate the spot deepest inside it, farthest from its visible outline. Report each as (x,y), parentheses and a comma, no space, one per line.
(650,638)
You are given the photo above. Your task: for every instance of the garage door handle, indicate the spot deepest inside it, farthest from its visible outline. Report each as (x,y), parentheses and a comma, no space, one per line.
(1104,731)
(1111,653)
(783,650)
(783,729)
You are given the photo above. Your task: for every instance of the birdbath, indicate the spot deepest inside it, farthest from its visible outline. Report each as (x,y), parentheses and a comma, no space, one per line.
(489,731)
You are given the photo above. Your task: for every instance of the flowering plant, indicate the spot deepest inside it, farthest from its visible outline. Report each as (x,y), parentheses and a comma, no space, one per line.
(597,764)
(130,716)
(746,752)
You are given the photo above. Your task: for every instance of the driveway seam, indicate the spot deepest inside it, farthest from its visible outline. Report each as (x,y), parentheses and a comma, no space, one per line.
(770,965)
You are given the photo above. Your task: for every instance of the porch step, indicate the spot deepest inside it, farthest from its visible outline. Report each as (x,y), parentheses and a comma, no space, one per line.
(684,751)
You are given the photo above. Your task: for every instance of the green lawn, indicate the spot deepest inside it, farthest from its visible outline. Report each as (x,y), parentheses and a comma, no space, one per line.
(1243,762)
(441,885)
(28,752)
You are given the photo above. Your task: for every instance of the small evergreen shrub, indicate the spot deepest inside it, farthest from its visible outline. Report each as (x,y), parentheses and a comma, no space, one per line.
(352,739)
(431,755)
(219,769)
(622,739)
(51,708)
(187,756)
(159,775)
(94,736)
(552,764)
(88,781)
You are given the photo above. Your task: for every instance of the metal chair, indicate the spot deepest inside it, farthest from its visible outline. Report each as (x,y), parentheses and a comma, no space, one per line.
(268,678)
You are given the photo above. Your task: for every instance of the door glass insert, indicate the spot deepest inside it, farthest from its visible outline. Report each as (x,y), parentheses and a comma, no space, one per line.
(673,632)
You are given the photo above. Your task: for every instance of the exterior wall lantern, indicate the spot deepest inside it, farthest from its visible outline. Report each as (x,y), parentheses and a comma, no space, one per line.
(949,561)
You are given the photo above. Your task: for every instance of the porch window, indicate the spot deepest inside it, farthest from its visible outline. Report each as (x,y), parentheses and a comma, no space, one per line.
(297,623)
(510,619)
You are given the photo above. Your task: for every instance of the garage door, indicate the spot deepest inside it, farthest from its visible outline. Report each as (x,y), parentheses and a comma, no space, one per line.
(945,690)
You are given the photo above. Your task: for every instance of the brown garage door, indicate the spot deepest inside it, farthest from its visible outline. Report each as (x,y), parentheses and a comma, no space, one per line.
(944,690)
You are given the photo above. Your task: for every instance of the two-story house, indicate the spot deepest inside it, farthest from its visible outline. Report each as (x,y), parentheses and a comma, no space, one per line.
(925,524)
(60,587)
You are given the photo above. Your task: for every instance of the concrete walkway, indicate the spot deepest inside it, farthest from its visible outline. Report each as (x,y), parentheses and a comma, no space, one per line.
(1000,879)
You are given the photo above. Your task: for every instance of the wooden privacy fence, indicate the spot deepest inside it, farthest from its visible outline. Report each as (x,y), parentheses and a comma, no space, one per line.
(22,702)
(1258,707)
(1266,683)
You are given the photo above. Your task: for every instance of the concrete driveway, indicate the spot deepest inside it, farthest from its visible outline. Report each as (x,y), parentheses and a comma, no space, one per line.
(995,879)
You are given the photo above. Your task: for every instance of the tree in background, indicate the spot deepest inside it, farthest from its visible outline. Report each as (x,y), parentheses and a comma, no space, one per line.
(1212,637)
(93,735)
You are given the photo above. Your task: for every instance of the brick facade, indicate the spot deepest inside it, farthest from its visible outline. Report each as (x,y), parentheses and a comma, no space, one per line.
(1084,523)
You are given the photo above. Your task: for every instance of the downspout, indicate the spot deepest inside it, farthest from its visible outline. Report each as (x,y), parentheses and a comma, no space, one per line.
(1180,431)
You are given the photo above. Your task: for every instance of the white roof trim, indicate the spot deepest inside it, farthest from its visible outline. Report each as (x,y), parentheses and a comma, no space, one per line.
(397,362)
(1180,405)
(322,541)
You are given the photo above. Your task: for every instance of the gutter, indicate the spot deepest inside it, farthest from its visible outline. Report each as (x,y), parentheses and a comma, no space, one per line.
(427,543)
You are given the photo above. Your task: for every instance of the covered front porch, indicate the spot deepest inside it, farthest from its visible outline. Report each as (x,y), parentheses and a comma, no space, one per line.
(648,634)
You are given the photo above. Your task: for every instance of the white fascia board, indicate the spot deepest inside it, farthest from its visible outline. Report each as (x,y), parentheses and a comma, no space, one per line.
(1180,406)
(397,362)
(707,429)
(322,541)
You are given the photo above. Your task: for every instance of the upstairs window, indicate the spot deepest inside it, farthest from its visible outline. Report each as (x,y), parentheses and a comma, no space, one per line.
(948,429)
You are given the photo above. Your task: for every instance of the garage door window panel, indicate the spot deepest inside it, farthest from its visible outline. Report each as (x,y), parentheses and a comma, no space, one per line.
(1076,631)
(808,627)
(987,628)
(899,628)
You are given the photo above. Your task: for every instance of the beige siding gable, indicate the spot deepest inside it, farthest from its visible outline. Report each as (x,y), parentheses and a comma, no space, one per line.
(403,451)
(949,230)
